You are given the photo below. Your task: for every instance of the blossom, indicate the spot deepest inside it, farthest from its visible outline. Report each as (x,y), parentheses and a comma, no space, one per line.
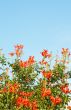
(34,105)
(26,102)
(43,62)
(27,94)
(31,60)
(13,88)
(69,107)
(46,92)
(65,89)
(18,50)
(23,101)
(11,54)
(27,63)
(52,98)
(65,51)
(19,46)
(4,89)
(23,64)
(19,101)
(45,53)
(46,74)
(56,100)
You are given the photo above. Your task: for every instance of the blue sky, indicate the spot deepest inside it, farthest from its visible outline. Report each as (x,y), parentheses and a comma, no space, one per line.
(37,24)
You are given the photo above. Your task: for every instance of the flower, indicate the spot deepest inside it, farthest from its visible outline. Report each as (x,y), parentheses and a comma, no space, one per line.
(45,53)
(19,101)
(26,102)
(46,74)
(56,100)
(34,105)
(23,102)
(65,89)
(19,46)
(23,64)
(13,88)
(69,107)
(27,94)
(31,60)
(43,62)
(4,89)
(11,54)
(52,98)
(46,92)
(18,50)
(65,51)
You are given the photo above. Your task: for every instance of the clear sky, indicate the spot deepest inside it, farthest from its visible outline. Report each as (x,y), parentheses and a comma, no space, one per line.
(37,24)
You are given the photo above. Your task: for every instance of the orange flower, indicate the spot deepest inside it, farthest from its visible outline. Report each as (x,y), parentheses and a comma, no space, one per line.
(27,94)
(48,75)
(31,60)
(46,92)
(52,98)
(18,50)
(56,100)
(23,64)
(4,89)
(45,54)
(11,54)
(12,89)
(65,89)
(34,105)
(19,101)
(1,78)
(43,62)
(69,107)
(19,46)
(65,51)
(18,53)
(23,101)
(26,102)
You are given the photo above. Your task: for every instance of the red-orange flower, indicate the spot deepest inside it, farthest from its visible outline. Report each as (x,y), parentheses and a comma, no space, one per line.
(31,60)
(19,101)
(34,105)
(65,89)
(69,107)
(45,53)
(65,51)
(45,92)
(11,54)
(43,62)
(19,46)
(27,94)
(23,101)
(4,89)
(26,102)
(52,98)
(18,50)
(23,64)
(56,100)
(13,88)
(48,74)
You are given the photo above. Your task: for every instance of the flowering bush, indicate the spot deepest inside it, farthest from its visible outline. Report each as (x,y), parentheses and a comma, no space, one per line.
(34,85)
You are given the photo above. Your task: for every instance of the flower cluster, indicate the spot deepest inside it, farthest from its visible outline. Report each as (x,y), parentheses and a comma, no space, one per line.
(26,90)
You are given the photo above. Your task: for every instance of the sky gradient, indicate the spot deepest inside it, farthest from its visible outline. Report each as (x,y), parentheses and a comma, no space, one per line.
(37,24)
